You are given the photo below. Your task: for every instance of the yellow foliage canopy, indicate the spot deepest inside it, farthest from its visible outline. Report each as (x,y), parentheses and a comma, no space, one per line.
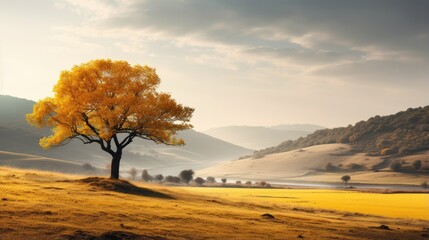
(101,100)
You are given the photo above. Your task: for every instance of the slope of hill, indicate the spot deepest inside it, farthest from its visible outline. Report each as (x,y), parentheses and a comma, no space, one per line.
(256,137)
(200,151)
(402,133)
(322,163)
(20,160)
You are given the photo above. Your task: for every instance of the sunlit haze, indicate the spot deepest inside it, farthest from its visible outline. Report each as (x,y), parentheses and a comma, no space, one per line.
(331,63)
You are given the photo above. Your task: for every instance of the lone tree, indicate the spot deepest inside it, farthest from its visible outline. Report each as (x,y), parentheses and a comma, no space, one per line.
(110,103)
(223,180)
(186,175)
(345,179)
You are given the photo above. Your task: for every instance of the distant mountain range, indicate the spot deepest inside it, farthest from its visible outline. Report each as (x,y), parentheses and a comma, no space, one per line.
(16,136)
(258,137)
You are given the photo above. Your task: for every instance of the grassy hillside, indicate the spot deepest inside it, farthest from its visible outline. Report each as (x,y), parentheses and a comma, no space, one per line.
(257,137)
(402,133)
(200,150)
(324,163)
(43,205)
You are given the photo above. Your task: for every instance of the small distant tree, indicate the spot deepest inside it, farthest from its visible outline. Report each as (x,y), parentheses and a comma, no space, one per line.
(159,177)
(417,164)
(199,181)
(223,180)
(424,185)
(238,182)
(88,167)
(262,183)
(345,179)
(169,179)
(145,176)
(396,166)
(187,175)
(248,183)
(267,185)
(133,173)
(211,179)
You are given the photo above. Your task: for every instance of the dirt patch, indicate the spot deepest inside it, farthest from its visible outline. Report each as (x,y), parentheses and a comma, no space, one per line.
(122,186)
(113,235)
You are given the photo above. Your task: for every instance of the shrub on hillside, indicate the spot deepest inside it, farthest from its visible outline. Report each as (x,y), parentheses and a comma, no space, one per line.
(417,164)
(396,166)
(330,167)
(355,167)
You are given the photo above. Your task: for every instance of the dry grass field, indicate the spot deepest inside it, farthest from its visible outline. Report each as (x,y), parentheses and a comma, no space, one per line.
(44,205)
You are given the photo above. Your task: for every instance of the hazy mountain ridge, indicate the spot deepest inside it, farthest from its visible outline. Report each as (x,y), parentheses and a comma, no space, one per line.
(258,137)
(402,133)
(200,150)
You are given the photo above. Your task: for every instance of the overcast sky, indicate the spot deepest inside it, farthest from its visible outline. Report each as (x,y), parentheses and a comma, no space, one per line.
(237,62)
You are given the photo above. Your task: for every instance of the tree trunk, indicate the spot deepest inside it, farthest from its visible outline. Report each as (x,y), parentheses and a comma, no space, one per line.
(114,170)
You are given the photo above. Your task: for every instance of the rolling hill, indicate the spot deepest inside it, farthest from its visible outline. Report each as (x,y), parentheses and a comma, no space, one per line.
(312,164)
(402,133)
(258,137)
(200,150)
(388,149)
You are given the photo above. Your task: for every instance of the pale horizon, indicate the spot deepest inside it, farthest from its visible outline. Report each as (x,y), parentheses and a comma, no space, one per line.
(238,63)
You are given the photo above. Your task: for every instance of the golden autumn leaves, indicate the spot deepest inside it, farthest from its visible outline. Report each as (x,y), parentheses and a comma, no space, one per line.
(102,99)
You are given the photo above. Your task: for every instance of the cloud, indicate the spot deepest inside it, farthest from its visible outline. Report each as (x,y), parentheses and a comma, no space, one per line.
(311,35)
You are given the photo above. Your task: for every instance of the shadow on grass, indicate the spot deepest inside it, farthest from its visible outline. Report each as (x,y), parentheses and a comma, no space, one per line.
(114,235)
(122,186)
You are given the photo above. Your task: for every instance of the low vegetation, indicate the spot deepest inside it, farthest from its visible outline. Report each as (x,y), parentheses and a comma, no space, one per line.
(402,133)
